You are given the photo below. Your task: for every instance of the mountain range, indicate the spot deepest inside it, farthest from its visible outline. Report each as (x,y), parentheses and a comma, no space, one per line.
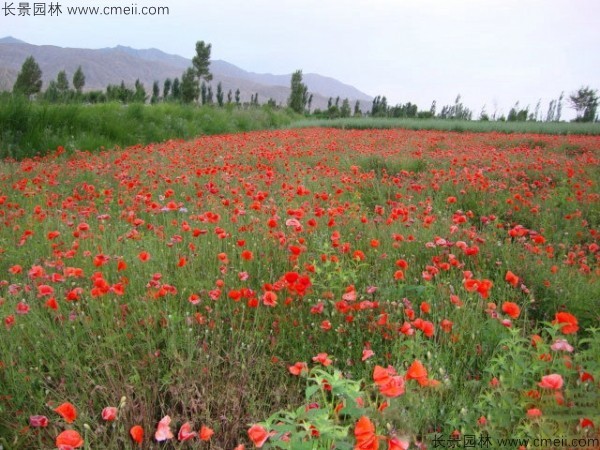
(112,65)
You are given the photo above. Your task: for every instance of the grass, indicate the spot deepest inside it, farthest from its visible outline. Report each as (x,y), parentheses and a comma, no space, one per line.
(35,128)
(364,123)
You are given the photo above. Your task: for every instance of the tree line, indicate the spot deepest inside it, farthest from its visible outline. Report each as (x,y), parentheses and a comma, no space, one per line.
(194,87)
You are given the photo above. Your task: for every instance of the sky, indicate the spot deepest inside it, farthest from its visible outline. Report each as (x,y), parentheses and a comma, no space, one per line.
(491,52)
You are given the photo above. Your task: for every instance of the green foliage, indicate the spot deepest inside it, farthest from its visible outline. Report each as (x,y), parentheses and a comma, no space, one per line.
(78,80)
(176,89)
(155,93)
(201,61)
(363,123)
(299,93)
(220,94)
(585,102)
(167,88)
(457,111)
(31,128)
(29,79)
(189,87)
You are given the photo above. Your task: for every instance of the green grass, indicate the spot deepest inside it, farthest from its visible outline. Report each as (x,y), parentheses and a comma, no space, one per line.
(455,125)
(36,128)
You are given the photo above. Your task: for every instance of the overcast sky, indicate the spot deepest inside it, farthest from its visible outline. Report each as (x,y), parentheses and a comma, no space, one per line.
(492,52)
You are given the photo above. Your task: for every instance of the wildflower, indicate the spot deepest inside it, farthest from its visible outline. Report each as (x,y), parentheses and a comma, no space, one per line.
(569,324)
(69,439)
(553,381)
(364,432)
(511,309)
(163,430)
(367,353)
(137,433)
(185,432)
(298,368)
(511,278)
(259,435)
(109,413)
(38,421)
(323,359)
(395,443)
(67,411)
(562,345)
(205,433)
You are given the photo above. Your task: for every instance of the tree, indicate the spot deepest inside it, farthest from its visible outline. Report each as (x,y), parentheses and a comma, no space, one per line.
(585,102)
(203,93)
(220,94)
(559,107)
(229,97)
(357,111)
(78,80)
(29,79)
(189,86)
(345,109)
(52,95)
(433,108)
(201,61)
(176,89)
(166,88)
(298,94)
(237,97)
(62,83)
(140,92)
(155,93)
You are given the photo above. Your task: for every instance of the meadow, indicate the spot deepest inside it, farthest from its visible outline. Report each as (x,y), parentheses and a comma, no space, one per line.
(35,128)
(477,126)
(308,288)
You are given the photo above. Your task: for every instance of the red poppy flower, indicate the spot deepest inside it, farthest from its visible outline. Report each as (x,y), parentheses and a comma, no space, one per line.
(69,439)
(511,309)
(569,320)
(205,433)
(259,435)
(67,411)
(137,433)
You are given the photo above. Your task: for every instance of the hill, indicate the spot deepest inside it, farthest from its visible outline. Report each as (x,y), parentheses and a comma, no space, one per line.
(112,65)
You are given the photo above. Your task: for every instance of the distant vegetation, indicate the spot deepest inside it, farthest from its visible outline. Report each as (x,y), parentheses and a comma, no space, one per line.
(359,123)
(36,121)
(32,128)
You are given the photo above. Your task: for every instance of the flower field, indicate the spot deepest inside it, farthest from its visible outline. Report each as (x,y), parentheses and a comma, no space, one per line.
(309,288)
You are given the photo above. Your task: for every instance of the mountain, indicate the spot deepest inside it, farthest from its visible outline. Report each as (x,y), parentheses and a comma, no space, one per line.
(112,65)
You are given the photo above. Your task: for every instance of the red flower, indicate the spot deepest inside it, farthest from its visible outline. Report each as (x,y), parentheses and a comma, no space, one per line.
(298,368)
(144,256)
(38,421)
(206,433)
(67,411)
(109,413)
(553,381)
(569,320)
(137,433)
(185,432)
(511,309)
(69,439)
(322,358)
(364,431)
(511,278)
(259,435)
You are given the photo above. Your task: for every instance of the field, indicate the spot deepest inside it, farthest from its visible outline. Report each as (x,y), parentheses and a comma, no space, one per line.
(478,126)
(306,288)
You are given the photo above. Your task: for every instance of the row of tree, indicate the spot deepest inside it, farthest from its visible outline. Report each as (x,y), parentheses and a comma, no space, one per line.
(194,87)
